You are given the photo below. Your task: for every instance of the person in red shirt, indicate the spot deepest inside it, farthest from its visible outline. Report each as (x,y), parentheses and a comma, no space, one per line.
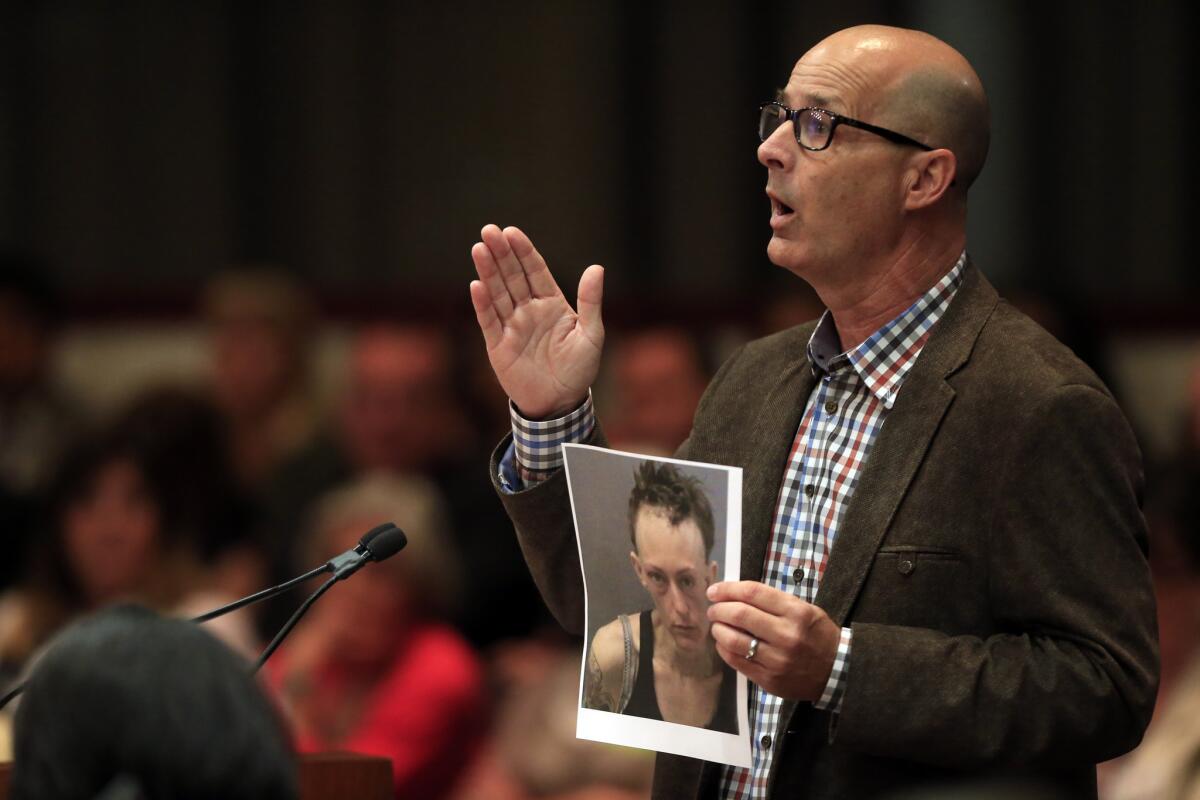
(372,669)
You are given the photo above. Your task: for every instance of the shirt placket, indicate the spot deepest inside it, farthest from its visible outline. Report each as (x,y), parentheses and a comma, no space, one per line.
(798,567)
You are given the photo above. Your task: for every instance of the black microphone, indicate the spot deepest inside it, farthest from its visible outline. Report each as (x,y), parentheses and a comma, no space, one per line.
(378,544)
(381,542)
(350,556)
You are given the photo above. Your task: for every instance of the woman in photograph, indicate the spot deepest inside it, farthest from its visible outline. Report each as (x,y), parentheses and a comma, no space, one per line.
(662,663)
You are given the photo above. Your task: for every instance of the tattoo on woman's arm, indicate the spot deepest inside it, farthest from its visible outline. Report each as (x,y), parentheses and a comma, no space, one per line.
(594,695)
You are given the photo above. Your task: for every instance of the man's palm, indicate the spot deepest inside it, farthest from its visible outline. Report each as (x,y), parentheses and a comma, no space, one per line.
(545,355)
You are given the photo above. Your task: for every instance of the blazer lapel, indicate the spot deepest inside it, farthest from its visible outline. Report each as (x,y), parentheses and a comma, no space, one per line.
(772,436)
(902,443)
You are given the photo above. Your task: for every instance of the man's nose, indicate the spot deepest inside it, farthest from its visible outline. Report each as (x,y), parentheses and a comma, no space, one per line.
(778,150)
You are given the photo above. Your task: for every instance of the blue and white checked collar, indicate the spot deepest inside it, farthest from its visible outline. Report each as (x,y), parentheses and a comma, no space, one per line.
(884,359)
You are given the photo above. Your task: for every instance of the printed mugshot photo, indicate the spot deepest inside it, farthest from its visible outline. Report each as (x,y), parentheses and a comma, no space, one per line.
(654,534)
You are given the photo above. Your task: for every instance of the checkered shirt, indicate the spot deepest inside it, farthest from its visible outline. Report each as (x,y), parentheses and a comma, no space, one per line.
(537,444)
(845,412)
(843,415)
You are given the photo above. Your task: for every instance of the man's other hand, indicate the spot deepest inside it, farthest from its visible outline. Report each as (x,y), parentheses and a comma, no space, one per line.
(545,355)
(797,641)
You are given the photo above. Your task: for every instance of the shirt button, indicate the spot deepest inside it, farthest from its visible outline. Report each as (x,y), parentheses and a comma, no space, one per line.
(797,574)
(830,406)
(810,490)
(765,741)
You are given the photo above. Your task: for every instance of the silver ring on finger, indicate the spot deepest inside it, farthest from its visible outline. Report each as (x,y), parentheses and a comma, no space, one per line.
(752,651)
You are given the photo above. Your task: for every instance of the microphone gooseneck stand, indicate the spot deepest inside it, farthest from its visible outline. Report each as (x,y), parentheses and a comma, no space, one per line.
(379,543)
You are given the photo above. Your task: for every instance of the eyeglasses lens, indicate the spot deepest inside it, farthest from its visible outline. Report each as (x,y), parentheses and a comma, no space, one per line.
(813,129)
(770,117)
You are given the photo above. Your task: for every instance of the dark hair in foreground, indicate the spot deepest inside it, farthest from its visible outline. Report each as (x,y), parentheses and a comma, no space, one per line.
(681,497)
(130,704)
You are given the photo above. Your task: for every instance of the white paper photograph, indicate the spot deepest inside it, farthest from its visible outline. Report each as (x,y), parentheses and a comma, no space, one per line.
(653,534)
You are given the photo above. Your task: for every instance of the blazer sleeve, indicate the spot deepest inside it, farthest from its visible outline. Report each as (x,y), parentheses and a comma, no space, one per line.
(1072,671)
(541,516)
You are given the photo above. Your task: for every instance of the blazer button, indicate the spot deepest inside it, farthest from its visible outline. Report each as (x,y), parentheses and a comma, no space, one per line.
(906,566)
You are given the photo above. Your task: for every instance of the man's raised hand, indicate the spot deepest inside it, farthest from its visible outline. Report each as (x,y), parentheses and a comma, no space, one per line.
(545,355)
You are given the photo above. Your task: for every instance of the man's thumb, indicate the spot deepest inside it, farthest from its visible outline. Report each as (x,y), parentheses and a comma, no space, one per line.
(591,293)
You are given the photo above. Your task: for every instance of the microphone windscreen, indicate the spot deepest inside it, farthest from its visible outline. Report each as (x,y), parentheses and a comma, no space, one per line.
(386,544)
(365,542)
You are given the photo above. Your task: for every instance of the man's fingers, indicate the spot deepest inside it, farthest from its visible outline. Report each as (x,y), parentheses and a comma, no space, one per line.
(541,282)
(753,593)
(754,671)
(489,273)
(747,618)
(591,293)
(485,312)
(510,266)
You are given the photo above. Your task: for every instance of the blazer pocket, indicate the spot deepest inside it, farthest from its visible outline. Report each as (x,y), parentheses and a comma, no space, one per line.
(908,558)
(919,586)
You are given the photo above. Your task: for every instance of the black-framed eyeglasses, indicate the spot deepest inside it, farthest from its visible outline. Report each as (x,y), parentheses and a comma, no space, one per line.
(814,127)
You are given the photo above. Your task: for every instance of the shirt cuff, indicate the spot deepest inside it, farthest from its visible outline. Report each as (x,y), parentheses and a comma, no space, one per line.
(537,444)
(835,688)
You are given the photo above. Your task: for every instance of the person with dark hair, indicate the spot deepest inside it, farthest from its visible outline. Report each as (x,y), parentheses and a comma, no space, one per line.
(663,663)
(142,510)
(129,704)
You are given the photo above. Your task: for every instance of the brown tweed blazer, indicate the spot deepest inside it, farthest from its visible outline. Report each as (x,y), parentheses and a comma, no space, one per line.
(991,563)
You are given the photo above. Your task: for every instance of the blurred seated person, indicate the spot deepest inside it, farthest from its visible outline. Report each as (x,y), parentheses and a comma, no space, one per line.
(656,379)
(398,413)
(372,668)
(662,663)
(401,414)
(260,322)
(141,511)
(37,418)
(126,704)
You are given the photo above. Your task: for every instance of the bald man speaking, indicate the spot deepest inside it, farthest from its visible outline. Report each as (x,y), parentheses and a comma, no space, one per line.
(944,557)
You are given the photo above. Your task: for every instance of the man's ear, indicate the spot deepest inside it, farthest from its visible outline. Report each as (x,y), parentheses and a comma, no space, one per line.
(930,177)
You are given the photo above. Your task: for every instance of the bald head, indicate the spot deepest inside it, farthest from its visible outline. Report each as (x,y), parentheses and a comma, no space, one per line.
(918,85)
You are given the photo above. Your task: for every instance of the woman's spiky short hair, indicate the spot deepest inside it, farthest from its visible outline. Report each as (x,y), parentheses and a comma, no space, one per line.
(679,496)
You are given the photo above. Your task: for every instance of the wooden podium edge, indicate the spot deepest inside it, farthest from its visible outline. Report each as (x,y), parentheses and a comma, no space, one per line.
(322,776)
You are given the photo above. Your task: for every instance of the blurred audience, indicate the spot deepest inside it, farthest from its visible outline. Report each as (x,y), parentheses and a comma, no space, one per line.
(260,323)
(401,412)
(37,418)
(656,378)
(1167,764)
(126,704)
(374,668)
(141,510)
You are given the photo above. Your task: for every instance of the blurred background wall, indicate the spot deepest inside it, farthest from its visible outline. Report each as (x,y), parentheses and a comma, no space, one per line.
(143,145)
